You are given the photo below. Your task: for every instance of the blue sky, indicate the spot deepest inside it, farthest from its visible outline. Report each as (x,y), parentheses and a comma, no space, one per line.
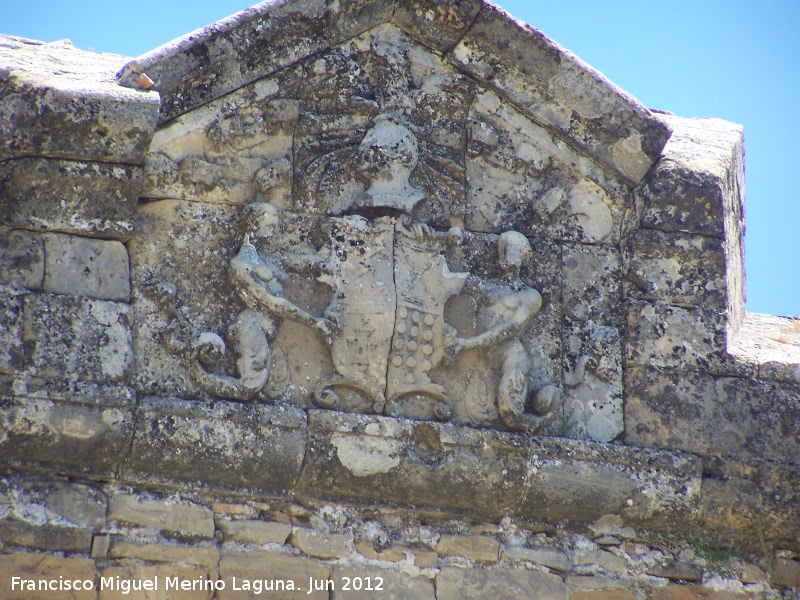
(734,59)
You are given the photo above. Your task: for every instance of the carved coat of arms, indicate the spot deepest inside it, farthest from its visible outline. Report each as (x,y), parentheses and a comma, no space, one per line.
(384,325)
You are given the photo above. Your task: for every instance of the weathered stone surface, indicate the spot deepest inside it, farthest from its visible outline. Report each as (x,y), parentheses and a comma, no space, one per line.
(677,268)
(240,50)
(196,555)
(73,427)
(21,259)
(85,267)
(420,557)
(217,155)
(189,519)
(698,184)
(592,381)
(165,582)
(251,531)
(591,283)
(84,198)
(100,546)
(175,240)
(590,583)
(662,335)
(46,536)
(225,443)
(502,584)
(743,500)
(283,577)
(602,595)
(438,25)
(786,572)
(80,504)
(696,592)
(355,583)
(76,111)
(643,487)
(562,92)
(322,545)
(78,338)
(549,557)
(772,343)
(601,558)
(38,567)
(712,416)
(232,508)
(521,176)
(479,548)
(12,319)
(395,460)
(676,570)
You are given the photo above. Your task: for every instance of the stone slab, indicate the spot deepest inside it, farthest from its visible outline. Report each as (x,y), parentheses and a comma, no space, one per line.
(251,531)
(549,557)
(697,186)
(772,343)
(21,259)
(80,504)
(372,458)
(85,267)
(224,444)
(72,427)
(577,481)
(12,323)
(203,556)
(322,545)
(185,518)
(76,111)
(78,338)
(562,92)
(275,570)
(479,548)
(46,567)
(712,416)
(48,537)
(667,336)
(438,25)
(222,57)
(354,583)
(743,500)
(166,582)
(677,268)
(83,198)
(500,584)
(355,457)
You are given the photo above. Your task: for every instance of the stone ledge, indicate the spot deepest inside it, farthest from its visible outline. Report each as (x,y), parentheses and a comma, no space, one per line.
(772,343)
(69,427)
(222,444)
(75,112)
(380,459)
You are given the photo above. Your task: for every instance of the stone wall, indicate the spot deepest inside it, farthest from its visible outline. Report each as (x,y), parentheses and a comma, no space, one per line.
(560,394)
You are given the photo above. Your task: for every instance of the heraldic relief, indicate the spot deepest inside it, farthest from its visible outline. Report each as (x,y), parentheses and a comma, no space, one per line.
(383,321)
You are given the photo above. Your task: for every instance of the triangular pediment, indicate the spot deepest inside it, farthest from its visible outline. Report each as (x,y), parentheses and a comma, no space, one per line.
(478,39)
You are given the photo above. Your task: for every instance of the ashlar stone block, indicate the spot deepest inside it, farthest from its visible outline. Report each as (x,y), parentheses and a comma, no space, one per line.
(184,518)
(712,416)
(21,259)
(37,567)
(677,268)
(78,338)
(282,577)
(12,318)
(365,583)
(82,198)
(562,91)
(227,444)
(85,267)
(475,584)
(202,556)
(591,280)
(438,25)
(73,427)
(251,531)
(77,111)
(171,582)
(667,336)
